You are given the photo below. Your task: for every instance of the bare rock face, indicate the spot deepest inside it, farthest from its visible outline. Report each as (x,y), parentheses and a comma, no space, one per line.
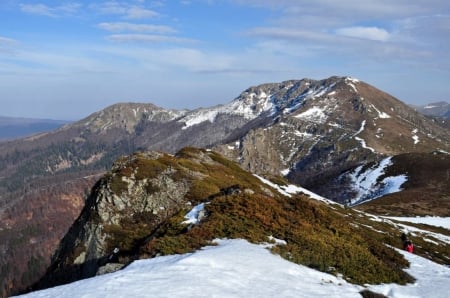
(139,193)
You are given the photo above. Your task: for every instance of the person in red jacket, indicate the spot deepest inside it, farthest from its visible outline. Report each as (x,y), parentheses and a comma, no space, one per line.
(409,247)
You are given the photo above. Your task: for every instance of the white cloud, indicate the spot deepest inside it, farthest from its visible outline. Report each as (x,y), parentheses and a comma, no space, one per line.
(140,13)
(287,33)
(148,38)
(372,33)
(124,27)
(45,10)
(125,10)
(38,9)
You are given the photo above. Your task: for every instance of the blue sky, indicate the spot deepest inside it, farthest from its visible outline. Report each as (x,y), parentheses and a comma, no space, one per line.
(68,59)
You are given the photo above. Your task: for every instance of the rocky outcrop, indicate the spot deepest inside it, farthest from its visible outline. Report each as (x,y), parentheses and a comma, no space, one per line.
(127,206)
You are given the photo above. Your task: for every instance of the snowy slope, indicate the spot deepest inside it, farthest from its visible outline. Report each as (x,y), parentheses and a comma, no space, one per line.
(236,268)
(366,184)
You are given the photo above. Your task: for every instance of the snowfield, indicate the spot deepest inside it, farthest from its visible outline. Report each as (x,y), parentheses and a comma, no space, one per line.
(236,268)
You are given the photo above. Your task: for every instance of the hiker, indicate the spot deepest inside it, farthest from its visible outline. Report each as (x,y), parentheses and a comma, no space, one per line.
(409,247)
(113,257)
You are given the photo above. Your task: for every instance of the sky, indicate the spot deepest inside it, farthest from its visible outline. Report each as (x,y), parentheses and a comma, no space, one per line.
(67,59)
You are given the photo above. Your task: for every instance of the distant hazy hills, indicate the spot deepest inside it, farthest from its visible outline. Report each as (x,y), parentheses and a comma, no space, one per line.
(12,128)
(437,109)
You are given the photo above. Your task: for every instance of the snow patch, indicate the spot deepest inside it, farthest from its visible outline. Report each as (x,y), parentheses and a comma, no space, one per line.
(199,117)
(381,115)
(314,114)
(290,189)
(443,222)
(285,172)
(366,185)
(193,216)
(363,144)
(415,137)
(360,140)
(351,81)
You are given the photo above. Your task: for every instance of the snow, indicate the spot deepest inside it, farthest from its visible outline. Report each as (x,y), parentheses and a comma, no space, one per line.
(334,124)
(289,189)
(422,233)
(308,94)
(285,172)
(246,107)
(236,268)
(436,221)
(433,280)
(415,137)
(361,128)
(314,114)
(192,217)
(354,80)
(360,140)
(199,117)
(303,134)
(382,115)
(363,144)
(350,81)
(365,182)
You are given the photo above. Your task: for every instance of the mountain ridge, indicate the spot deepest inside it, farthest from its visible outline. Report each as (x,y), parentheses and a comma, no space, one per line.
(307,130)
(155,204)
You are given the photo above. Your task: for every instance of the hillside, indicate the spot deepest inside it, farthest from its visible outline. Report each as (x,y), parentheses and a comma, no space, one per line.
(306,130)
(152,204)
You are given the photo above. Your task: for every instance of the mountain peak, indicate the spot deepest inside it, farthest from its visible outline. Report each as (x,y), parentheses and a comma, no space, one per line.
(126,116)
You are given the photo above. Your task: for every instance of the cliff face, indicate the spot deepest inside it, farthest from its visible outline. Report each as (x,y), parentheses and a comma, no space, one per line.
(134,198)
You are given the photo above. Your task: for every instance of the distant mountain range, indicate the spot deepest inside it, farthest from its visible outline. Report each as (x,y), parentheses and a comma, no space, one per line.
(437,109)
(322,134)
(13,128)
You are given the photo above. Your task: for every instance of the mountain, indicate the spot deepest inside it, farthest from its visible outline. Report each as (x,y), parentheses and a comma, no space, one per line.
(437,109)
(329,127)
(13,128)
(310,131)
(154,204)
